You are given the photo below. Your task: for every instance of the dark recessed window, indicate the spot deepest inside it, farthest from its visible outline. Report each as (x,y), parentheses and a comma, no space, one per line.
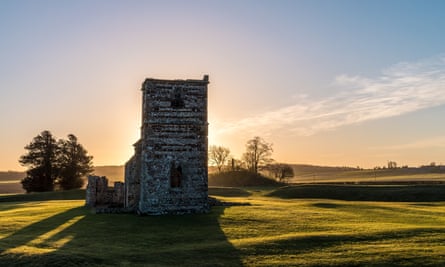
(175,176)
(177,101)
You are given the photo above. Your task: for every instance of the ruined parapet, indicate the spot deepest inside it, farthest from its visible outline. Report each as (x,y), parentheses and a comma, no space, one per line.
(118,194)
(96,189)
(132,179)
(90,193)
(98,194)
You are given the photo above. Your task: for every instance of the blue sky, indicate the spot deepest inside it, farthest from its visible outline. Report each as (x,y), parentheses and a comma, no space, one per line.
(328,82)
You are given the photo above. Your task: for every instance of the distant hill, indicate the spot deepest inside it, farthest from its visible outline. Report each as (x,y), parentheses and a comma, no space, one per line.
(306,168)
(10,180)
(304,173)
(320,174)
(240,178)
(11,175)
(113,173)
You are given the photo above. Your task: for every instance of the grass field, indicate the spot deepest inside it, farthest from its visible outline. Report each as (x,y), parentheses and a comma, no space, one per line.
(36,230)
(10,180)
(369,176)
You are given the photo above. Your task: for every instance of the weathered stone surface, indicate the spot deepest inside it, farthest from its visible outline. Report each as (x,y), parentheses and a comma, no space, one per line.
(99,194)
(168,172)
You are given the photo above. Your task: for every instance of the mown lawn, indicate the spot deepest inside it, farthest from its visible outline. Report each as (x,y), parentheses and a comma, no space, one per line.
(269,232)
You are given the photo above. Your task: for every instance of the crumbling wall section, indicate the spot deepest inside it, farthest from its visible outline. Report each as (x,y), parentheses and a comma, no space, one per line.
(132,179)
(100,195)
(96,190)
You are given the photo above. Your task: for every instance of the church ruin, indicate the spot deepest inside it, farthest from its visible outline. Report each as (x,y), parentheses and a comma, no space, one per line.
(168,171)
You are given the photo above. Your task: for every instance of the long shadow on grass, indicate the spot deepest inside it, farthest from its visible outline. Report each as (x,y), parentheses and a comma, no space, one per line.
(79,238)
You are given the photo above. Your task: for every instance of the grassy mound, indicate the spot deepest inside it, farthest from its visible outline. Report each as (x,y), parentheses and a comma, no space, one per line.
(228,192)
(56,195)
(240,178)
(392,193)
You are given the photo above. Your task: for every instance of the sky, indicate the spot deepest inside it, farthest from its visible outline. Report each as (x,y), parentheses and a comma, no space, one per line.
(337,83)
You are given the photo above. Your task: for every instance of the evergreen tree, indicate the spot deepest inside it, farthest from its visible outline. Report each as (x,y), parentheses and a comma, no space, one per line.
(42,161)
(64,162)
(74,163)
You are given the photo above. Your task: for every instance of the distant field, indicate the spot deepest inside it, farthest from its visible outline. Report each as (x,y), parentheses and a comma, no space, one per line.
(36,230)
(113,173)
(10,181)
(240,178)
(388,193)
(303,174)
(11,187)
(332,174)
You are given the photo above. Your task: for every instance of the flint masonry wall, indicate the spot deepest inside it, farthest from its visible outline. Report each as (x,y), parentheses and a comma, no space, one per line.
(168,173)
(100,196)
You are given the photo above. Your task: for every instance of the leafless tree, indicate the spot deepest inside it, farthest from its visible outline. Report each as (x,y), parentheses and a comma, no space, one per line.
(280,171)
(258,153)
(219,156)
(236,164)
(392,165)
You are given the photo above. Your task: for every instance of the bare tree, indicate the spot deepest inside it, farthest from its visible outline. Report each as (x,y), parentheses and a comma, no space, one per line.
(219,156)
(258,153)
(392,165)
(280,171)
(236,164)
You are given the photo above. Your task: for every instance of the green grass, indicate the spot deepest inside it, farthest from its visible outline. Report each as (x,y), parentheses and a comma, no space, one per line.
(270,232)
(333,175)
(43,196)
(406,193)
(240,179)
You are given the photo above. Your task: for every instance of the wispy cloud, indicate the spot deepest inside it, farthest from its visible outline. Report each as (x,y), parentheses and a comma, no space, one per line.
(400,89)
(433,142)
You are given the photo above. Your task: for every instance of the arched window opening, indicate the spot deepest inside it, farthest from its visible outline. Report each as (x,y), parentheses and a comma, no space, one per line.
(177,101)
(175,176)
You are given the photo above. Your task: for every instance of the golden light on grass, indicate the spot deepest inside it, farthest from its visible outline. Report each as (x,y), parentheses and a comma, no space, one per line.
(271,231)
(44,243)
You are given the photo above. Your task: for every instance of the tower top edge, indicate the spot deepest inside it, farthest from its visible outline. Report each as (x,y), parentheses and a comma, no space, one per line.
(205,80)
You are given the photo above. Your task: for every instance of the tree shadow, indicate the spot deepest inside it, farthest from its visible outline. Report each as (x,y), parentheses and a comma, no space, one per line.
(77,237)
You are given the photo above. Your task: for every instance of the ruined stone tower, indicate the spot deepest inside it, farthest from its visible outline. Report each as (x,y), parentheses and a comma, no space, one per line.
(168,172)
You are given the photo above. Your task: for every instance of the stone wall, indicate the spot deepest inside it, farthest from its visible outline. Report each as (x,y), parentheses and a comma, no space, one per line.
(99,194)
(168,173)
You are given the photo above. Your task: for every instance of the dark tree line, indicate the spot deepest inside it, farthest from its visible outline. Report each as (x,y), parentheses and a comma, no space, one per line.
(54,162)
